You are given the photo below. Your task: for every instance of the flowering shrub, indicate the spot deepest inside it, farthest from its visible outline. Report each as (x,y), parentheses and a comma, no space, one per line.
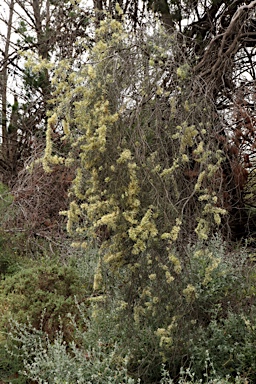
(143,158)
(149,179)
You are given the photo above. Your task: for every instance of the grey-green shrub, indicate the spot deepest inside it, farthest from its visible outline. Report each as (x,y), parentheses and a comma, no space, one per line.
(231,345)
(59,362)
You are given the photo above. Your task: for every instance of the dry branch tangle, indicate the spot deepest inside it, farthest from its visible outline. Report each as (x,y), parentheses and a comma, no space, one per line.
(224,46)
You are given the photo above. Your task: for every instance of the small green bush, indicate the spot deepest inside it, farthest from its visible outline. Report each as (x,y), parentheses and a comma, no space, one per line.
(43,294)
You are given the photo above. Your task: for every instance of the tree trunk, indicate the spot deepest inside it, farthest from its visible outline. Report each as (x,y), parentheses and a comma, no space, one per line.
(4,89)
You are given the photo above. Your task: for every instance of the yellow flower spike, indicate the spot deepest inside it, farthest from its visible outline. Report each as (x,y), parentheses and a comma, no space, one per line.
(200,180)
(200,149)
(91,72)
(190,293)
(124,156)
(176,263)
(217,218)
(185,158)
(169,277)
(202,229)
(66,129)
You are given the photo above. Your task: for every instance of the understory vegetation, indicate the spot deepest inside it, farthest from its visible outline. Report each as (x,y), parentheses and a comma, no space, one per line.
(127,240)
(55,328)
